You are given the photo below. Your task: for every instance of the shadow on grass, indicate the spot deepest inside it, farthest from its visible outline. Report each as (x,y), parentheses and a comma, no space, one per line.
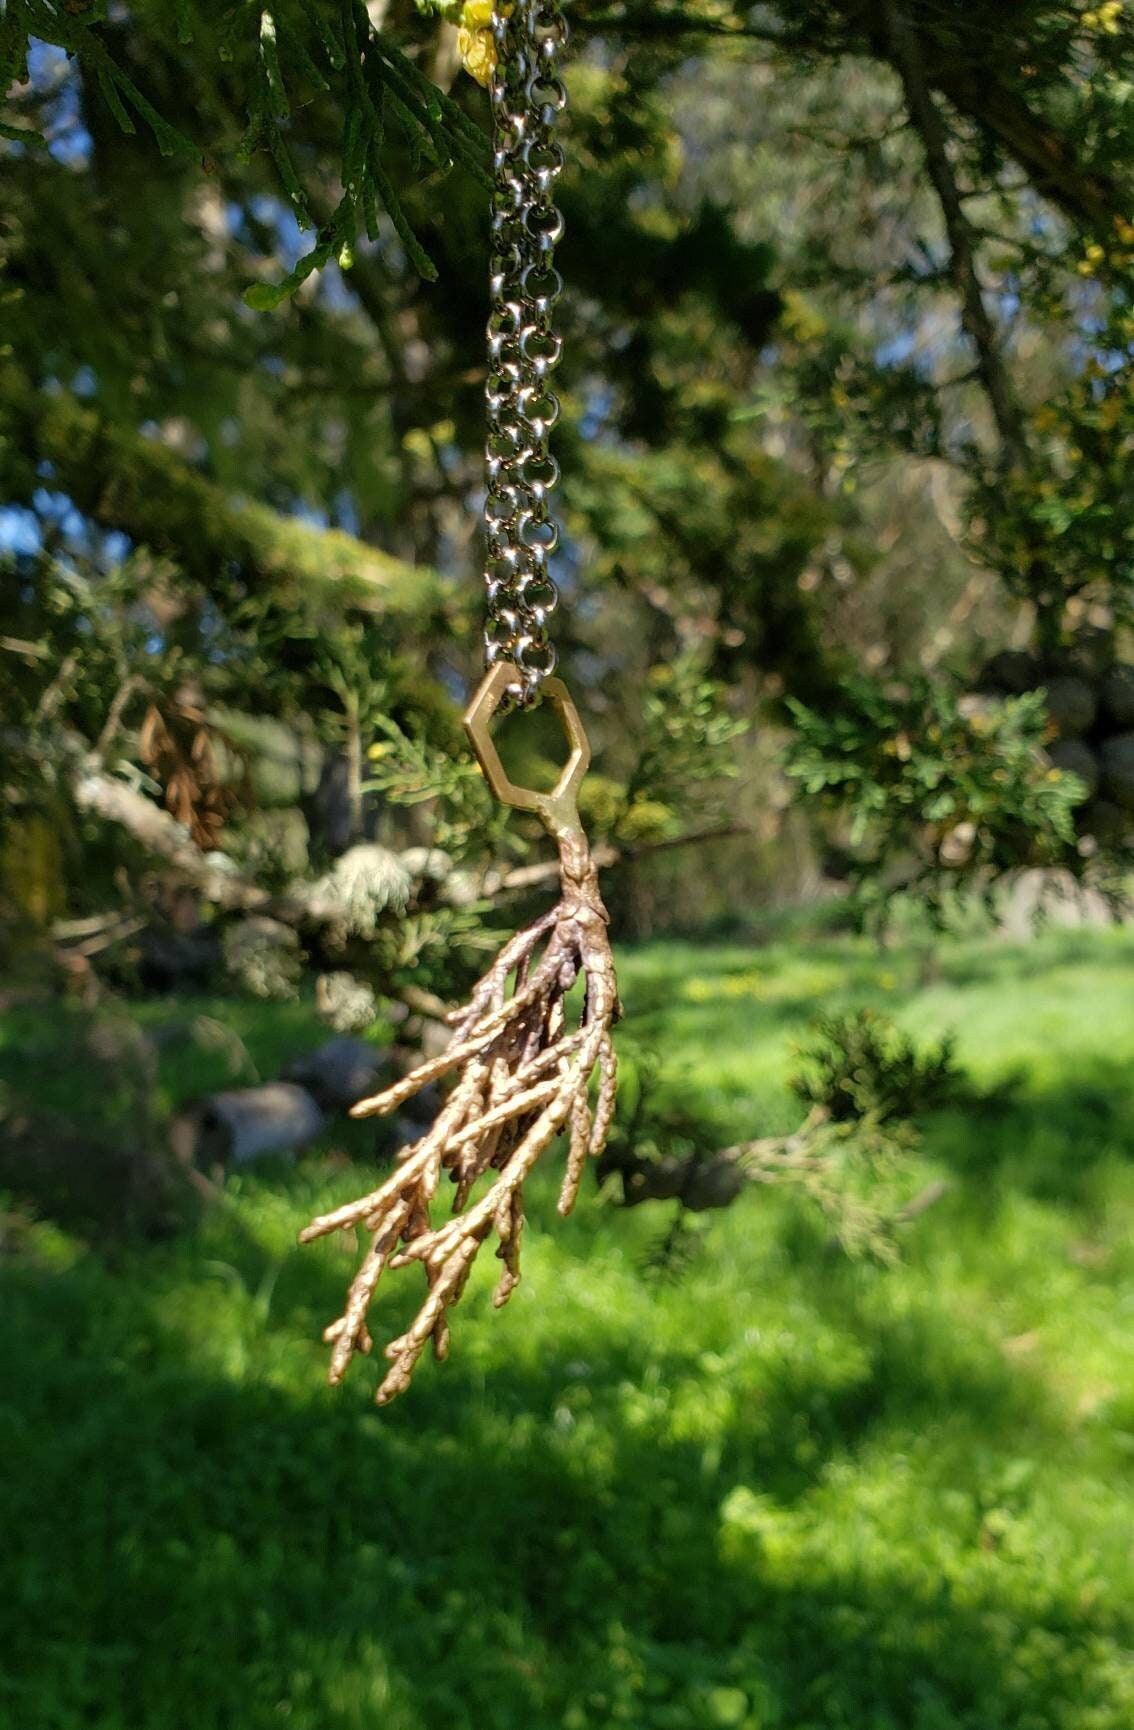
(1049,1142)
(190,1540)
(606,1527)
(1002,960)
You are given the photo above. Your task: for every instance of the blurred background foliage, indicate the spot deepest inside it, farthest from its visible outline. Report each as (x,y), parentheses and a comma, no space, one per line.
(846,391)
(847,566)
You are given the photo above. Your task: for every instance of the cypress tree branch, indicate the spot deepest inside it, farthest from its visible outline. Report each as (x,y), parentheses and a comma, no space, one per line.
(1089,199)
(107,797)
(100,794)
(907,60)
(123,481)
(1088,196)
(971,80)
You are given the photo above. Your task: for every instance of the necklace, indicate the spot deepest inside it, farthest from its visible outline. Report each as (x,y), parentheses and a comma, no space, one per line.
(521,1057)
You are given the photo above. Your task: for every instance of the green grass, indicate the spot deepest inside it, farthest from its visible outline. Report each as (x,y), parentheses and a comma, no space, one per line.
(788,1491)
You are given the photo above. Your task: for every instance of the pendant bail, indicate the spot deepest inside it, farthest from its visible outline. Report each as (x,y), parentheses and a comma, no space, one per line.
(558,809)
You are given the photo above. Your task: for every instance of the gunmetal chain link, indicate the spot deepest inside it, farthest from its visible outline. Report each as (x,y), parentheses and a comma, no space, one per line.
(523,349)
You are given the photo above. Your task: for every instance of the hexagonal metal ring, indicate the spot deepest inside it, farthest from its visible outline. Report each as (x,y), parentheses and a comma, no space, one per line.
(560,802)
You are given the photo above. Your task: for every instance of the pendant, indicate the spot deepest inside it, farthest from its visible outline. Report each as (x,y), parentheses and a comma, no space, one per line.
(521,1060)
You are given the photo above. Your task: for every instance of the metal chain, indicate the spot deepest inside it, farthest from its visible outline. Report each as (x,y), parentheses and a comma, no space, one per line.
(523,349)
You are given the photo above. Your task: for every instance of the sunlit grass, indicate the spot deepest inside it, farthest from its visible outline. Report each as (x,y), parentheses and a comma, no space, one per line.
(785,1492)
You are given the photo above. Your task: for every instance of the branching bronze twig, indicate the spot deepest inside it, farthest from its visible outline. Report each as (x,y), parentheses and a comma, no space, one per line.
(523,1059)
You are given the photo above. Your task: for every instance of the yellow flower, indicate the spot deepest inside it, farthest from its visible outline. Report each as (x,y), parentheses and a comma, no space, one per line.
(475,43)
(478,54)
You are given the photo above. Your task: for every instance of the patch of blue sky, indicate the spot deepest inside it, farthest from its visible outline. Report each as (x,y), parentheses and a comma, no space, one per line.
(60,511)
(20,531)
(344,512)
(597,410)
(335,289)
(901,349)
(52,76)
(290,240)
(116,546)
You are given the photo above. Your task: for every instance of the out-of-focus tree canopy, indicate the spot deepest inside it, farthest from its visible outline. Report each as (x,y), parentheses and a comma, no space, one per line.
(846,391)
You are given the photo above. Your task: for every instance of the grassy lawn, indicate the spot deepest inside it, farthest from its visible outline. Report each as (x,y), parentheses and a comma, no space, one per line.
(786,1491)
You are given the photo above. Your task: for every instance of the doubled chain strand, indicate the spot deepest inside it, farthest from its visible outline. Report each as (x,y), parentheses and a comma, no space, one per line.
(523,349)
